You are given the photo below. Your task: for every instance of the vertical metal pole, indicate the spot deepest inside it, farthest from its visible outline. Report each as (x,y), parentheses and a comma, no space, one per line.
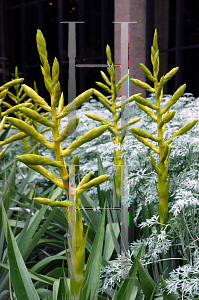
(178,42)
(22,30)
(60,40)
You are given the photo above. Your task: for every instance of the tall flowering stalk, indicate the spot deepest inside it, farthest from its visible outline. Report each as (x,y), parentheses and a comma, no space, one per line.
(113,88)
(36,162)
(162,117)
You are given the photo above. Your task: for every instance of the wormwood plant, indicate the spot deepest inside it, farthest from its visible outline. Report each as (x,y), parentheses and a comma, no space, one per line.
(162,118)
(113,88)
(36,162)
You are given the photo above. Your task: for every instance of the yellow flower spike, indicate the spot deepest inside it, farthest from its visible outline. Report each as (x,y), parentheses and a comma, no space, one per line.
(21,125)
(163,150)
(39,100)
(32,114)
(70,128)
(33,159)
(87,137)
(50,202)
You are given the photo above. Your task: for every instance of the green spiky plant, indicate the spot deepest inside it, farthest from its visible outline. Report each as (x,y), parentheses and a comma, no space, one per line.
(36,162)
(113,89)
(162,117)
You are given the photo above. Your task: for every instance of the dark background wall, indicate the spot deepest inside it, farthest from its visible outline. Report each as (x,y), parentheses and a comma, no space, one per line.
(22,18)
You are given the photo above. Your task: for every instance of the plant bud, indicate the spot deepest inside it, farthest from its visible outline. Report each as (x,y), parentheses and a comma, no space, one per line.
(15,108)
(185,128)
(2,123)
(157,169)
(3,94)
(56,94)
(21,125)
(169,116)
(13,138)
(11,83)
(30,113)
(143,85)
(174,98)
(105,78)
(48,175)
(147,110)
(170,74)
(84,180)
(33,159)
(145,102)
(155,40)
(166,149)
(147,72)
(48,85)
(70,128)
(61,104)
(144,134)
(75,162)
(105,104)
(135,120)
(97,118)
(3,152)
(76,103)
(165,174)
(87,137)
(120,82)
(108,54)
(159,89)
(80,189)
(146,142)
(50,202)
(32,94)
(103,86)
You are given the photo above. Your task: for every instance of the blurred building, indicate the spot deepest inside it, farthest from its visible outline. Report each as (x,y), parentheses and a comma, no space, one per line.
(176,21)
